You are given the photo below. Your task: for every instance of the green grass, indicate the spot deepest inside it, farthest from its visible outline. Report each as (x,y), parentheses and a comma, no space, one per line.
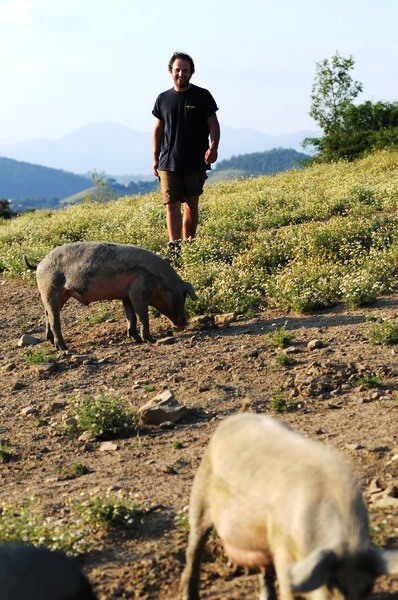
(35,356)
(101,315)
(298,241)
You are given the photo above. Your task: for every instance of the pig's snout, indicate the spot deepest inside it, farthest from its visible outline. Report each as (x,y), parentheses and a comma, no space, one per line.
(180,322)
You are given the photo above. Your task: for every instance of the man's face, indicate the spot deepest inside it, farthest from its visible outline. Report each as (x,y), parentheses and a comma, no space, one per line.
(181,74)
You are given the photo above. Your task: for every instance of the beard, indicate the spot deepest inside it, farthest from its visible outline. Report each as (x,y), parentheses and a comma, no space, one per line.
(181,83)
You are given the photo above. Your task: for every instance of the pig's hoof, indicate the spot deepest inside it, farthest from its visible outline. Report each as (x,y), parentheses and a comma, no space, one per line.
(61,347)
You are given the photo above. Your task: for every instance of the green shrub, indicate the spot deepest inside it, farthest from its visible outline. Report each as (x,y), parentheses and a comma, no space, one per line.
(384,332)
(370,381)
(102,414)
(110,511)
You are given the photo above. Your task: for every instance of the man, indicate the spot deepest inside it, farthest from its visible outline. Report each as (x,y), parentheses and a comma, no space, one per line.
(185,117)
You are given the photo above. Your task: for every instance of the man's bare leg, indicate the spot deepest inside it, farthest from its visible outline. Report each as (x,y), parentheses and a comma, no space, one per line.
(174,220)
(191,217)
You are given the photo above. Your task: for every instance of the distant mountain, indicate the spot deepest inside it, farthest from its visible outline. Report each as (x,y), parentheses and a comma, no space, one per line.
(116,149)
(262,163)
(246,141)
(44,186)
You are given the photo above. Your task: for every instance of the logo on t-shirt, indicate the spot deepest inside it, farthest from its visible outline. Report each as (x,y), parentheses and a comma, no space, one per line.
(189,107)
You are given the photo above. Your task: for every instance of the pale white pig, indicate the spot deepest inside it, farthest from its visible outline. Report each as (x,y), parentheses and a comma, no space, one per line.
(287,506)
(90,271)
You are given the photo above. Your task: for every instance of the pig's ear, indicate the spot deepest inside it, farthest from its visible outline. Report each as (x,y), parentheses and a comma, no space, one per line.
(312,572)
(190,291)
(385,562)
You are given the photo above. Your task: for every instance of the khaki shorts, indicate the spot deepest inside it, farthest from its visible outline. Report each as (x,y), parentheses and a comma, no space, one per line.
(177,187)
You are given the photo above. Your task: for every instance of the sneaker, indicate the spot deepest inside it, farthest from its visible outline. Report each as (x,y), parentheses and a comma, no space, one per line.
(173,254)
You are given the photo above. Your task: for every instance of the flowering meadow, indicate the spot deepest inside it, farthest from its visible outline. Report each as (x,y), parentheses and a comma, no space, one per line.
(302,240)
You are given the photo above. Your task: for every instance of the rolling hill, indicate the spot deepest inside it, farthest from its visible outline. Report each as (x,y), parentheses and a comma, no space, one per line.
(116,149)
(30,186)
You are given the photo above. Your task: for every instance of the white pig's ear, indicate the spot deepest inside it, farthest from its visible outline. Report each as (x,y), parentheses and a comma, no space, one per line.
(385,562)
(312,572)
(190,291)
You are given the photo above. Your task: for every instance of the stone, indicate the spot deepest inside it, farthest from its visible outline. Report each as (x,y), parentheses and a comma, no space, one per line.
(28,410)
(42,370)
(162,408)
(70,422)
(108,447)
(291,350)
(315,344)
(28,340)
(87,436)
(166,341)
(225,320)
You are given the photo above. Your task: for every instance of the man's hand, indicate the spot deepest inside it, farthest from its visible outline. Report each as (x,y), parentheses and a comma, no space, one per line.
(155,168)
(211,155)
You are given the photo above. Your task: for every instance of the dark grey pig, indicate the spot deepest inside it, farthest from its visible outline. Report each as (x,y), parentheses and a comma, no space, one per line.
(29,573)
(287,506)
(90,271)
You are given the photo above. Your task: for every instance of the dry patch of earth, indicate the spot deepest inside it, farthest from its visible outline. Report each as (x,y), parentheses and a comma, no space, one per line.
(213,372)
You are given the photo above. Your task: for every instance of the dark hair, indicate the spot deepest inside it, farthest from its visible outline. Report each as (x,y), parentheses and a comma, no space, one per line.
(182,56)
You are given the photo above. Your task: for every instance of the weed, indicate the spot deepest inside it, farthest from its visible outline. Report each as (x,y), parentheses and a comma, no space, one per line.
(6,452)
(181,520)
(119,509)
(284,360)
(384,332)
(280,404)
(75,530)
(102,415)
(78,469)
(178,445)
(35,356)
(281,338)
(101,315)
(370,381)
(26,523)
(150,387)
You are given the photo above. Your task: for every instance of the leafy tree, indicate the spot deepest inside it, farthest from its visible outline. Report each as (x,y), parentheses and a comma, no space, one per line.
(333,92)
(350,130)
(365,128)
(5,209)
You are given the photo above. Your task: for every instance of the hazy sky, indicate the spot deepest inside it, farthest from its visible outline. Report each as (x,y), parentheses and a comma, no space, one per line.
(66,63)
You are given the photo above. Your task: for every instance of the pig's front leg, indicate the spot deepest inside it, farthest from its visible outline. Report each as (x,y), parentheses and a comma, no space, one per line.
(53,305)
(140,307)
(267,585)
(131,321)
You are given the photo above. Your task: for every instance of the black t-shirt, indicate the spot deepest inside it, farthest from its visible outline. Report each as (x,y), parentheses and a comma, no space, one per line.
(186,133)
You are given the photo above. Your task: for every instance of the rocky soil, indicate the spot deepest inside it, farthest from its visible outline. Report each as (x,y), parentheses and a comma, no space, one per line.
(213,371)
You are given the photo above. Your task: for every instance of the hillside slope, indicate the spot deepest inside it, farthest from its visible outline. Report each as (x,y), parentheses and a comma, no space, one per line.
(22,181)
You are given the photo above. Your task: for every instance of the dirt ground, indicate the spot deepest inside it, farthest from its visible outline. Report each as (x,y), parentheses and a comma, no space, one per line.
(213,371)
